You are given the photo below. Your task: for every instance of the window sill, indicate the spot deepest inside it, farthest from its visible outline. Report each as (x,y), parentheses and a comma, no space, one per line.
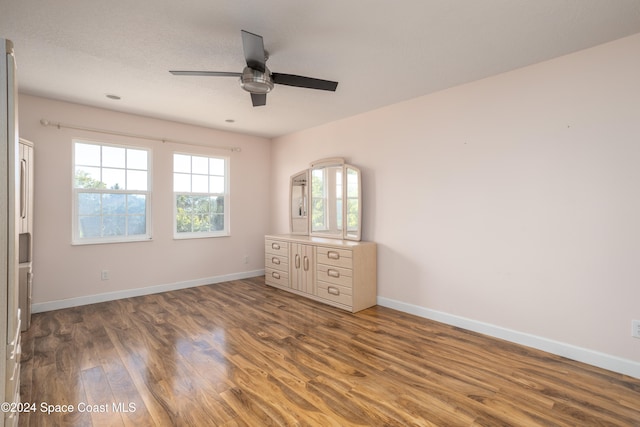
(85,242)
(187,236)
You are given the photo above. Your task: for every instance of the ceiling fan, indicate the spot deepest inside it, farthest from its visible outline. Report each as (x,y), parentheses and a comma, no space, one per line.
(256,78)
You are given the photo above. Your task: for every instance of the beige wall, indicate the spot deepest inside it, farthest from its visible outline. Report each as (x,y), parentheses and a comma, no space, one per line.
(513,201)
(63,271)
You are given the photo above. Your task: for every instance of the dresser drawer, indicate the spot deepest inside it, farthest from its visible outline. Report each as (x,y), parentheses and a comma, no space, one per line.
(335,275)
(332,271)
(276,262)
(276,247)
(335,257)
(335,293)
(276,277)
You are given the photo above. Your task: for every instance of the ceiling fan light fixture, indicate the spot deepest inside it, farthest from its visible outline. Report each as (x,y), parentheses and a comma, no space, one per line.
(256,77)
(255,81)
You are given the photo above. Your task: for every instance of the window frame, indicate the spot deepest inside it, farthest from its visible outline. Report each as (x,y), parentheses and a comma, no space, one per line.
(226,230)
(75,216)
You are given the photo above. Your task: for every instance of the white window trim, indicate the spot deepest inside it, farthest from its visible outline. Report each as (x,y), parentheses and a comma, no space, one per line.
(75,238)
(226,232)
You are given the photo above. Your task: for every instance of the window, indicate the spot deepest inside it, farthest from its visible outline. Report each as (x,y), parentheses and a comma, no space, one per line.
(110,193)
(201,196)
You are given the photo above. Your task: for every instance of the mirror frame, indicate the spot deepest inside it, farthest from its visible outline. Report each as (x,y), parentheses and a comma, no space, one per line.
(320,164)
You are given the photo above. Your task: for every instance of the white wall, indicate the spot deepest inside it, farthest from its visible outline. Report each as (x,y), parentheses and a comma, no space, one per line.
(71,274)
(513,201)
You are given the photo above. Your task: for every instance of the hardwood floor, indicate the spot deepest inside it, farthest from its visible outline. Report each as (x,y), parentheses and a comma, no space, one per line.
(244,354)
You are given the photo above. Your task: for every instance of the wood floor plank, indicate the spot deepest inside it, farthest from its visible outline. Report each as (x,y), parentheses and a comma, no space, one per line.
(126,398)
(243,354)
(134,363)
(99,399)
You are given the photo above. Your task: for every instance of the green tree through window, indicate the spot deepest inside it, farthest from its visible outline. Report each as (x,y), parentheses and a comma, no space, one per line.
(111,196)
(201,196)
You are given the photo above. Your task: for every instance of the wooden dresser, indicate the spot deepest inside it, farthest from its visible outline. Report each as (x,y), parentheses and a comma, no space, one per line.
(341,273)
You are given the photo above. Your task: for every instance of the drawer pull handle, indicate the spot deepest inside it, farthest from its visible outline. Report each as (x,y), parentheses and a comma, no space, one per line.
(297,261)
(275,260)
(275,275)
(306,263)
(333,273)
(275,246)
(333,291)
(333,255)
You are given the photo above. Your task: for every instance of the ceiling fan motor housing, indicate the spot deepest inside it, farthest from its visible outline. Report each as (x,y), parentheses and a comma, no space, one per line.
(256,81)
(256,77)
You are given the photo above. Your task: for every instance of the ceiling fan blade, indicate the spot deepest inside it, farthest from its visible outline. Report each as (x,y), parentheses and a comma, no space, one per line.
(253,47)
(306,82)
(206,73)
(259,99)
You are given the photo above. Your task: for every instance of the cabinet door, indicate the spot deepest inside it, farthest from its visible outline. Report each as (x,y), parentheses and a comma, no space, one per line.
(26,188)
(22,220)
(302,261)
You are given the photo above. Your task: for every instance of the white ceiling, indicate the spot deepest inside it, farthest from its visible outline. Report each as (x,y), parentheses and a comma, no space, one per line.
(381,52)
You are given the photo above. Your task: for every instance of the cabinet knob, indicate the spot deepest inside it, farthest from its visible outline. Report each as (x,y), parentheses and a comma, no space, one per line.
(275,246)
(333,273)
(275,275)
(333,255)
(333,291)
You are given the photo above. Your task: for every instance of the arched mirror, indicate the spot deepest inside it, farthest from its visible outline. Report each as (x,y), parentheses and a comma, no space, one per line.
(335,208)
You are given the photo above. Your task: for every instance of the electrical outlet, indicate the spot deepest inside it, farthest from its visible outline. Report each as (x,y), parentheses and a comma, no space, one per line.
(635,331)
(246,259)
(104,275)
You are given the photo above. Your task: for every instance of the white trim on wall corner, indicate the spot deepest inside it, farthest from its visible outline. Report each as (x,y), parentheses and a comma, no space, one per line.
(110,296)
(601,360)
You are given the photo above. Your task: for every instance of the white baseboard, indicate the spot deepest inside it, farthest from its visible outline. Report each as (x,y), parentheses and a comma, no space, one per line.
(110,296)
(601,360)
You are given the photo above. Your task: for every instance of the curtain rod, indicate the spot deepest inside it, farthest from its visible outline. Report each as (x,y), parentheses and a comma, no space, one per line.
(59,125)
